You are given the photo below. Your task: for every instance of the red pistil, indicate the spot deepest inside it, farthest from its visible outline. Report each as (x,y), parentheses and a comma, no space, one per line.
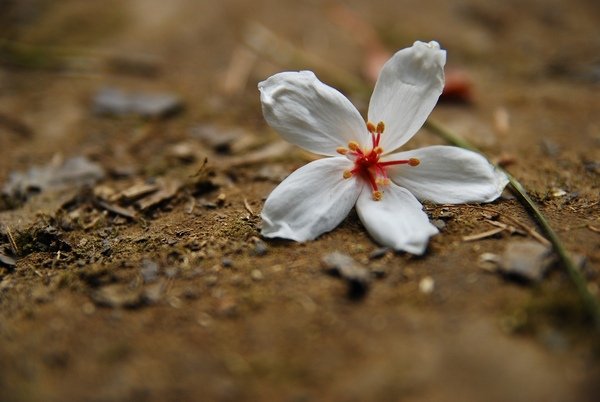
(367,164)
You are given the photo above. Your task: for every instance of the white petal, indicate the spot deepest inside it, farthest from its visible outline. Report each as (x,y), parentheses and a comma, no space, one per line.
(448,175)
(406,91)
(311,201)
(310,114)
(397,220)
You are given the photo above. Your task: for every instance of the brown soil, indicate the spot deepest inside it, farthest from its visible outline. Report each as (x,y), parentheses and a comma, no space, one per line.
(180,301)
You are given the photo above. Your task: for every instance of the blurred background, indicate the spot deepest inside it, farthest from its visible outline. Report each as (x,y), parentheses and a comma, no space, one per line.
(55,55)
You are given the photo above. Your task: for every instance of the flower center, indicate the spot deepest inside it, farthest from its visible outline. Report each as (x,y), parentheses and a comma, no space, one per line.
(367,164)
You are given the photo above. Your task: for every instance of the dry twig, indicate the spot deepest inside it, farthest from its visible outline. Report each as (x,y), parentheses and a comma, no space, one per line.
(248,207)
(11,240)
(483,235)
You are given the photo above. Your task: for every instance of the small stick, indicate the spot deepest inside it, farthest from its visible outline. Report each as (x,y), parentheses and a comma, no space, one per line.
(190,207)
(510,228)
(248,207)
(57,259)
(531,231)
(11,240)
(116,209)
(483,235)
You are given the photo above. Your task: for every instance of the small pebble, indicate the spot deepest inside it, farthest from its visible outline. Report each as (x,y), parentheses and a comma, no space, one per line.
(218,138)
(488,262)
(260,248)
(153,293)
(149,271)
(88,308)
(356,275)
(439,224)
(427,285)
(556,192)
(525,260)
(445,214)
(256,275)
(237,280)
(276,268)
(205,320)
(175,302)
(227,307)
(211,280)
(171,272)
(115,102)
(117,295)
(227,262)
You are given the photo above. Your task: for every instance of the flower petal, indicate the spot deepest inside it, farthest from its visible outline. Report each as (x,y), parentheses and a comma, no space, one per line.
(406,91)
(448,175)
(311,201)
(397,220)
(310,114)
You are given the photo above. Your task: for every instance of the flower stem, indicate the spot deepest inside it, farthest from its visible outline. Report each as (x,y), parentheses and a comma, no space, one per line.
(591,302)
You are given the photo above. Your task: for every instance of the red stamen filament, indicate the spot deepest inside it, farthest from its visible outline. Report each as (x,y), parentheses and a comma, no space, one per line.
(367,165)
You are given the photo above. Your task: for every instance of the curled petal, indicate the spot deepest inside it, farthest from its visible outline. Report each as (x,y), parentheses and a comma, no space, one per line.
(310,114)
(311,201)
(397,220)
(406,91)
(448,175)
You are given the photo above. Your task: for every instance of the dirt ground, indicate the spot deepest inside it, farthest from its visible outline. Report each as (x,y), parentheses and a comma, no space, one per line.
(138,273)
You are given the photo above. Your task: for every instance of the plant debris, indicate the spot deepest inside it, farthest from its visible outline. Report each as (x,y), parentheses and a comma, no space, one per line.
(167,189)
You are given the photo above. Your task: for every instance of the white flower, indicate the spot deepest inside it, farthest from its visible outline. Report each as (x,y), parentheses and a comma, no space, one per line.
(360,169)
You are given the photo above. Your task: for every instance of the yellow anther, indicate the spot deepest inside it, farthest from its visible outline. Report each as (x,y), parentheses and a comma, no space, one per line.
(347,174)
(414,162)
(377,195)
(371,127)
(383,181)
(378,150)
(353,145)
(342,150)
(380,127)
